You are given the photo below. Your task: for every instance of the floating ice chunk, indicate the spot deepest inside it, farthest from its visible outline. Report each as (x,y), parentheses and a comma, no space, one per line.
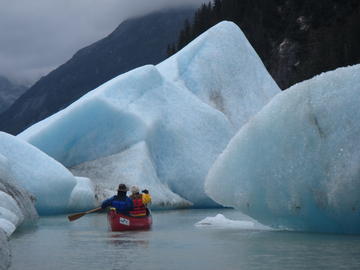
(220,221)
(297,162)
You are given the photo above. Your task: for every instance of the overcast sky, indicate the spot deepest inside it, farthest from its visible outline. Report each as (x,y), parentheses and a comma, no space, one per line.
(37,36)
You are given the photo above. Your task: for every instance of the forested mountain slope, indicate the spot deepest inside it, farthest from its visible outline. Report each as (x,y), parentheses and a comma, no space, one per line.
(295,39)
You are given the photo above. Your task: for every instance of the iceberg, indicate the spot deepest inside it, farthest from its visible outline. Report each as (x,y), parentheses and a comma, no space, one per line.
(296,164)
(25,166)
(168,113)
(176,126)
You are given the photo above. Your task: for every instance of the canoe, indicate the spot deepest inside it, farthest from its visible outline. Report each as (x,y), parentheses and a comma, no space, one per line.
(121,222)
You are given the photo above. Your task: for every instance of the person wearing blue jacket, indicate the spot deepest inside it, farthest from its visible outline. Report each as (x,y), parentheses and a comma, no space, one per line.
(121,202)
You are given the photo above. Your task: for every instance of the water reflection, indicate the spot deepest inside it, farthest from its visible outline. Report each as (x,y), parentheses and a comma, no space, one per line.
(127,239)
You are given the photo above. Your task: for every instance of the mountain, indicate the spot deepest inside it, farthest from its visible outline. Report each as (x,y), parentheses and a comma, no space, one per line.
(9,92)
(135,42)
(295,39)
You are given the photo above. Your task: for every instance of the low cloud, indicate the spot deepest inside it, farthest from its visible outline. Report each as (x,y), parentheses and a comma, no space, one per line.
(37,36)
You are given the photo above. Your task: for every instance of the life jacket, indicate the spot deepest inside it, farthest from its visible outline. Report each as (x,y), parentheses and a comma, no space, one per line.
(139,208)
(146,198)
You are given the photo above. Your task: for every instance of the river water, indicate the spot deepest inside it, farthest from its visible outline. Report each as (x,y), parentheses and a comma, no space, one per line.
(176,243)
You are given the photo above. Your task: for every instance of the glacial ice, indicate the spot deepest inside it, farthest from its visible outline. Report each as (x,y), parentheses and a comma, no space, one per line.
(16,204)
(5,253)
(83,195)
(223,70)
(185,110)
(296,164)
(25,166)
(16,208)
(221,222)
(174,124)
(9,218)
(133,167)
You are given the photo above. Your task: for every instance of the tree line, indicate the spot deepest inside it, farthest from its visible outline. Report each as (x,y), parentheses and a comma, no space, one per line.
(268,23)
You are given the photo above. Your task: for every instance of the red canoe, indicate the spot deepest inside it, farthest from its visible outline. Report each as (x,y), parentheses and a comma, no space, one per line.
(121,222)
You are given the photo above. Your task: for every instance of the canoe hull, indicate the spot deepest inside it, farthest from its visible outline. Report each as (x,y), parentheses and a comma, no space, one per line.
(120,222)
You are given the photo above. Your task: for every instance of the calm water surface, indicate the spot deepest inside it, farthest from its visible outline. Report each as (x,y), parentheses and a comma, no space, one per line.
(175,243)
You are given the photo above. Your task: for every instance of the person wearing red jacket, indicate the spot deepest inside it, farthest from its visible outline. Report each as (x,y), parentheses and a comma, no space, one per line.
(139,208)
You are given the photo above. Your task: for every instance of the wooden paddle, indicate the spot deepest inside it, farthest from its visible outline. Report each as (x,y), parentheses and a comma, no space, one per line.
(79,215)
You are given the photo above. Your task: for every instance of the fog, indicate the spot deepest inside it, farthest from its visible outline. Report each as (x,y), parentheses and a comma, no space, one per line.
(38,36)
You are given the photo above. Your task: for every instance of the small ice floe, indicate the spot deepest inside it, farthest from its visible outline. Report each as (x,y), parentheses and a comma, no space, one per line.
(221,222)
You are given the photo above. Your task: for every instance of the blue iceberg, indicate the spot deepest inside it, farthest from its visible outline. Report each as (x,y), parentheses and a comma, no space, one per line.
(296,164)
(182,112)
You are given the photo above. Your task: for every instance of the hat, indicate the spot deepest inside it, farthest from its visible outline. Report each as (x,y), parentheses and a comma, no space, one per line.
(122,187)
(145,191)
(134,189)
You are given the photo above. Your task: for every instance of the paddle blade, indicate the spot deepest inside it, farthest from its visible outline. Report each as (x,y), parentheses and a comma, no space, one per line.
(76,216)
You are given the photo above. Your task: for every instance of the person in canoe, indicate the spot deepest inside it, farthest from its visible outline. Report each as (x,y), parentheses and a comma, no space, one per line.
(139,218)
(139,208)
(121,202)
(146,197)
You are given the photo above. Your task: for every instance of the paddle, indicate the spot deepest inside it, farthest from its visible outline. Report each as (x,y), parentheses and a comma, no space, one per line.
(79,215)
